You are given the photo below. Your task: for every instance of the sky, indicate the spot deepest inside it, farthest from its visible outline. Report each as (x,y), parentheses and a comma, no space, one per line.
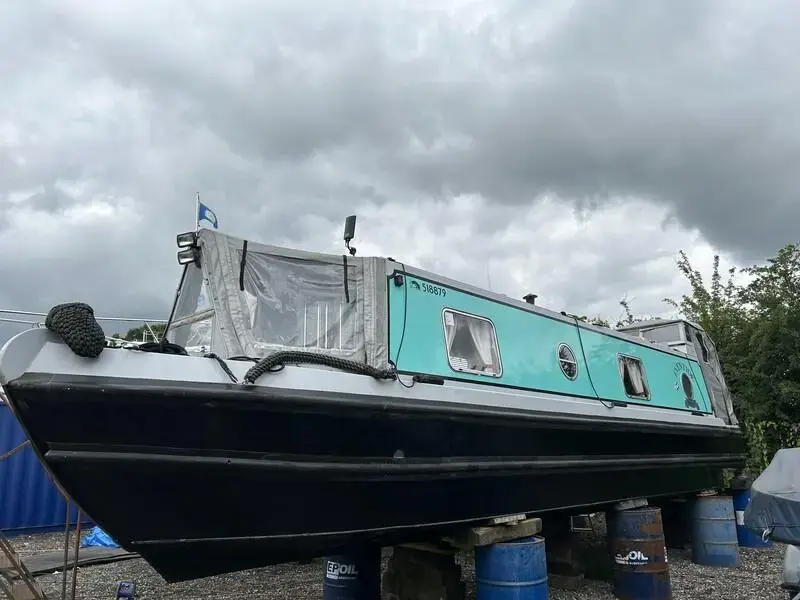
(569,149)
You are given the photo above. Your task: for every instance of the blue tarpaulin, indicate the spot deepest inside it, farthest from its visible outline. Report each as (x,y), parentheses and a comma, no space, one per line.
(98,537)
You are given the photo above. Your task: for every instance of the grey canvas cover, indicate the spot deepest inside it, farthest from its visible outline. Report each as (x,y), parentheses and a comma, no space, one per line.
(266,299)
(706,353)
(775,499)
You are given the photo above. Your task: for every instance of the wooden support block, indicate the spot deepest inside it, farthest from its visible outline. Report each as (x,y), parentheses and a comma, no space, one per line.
(578,523)
(415,574)
(487,535)
(429,547)
(507,519)
(21,591)
(566,582)
(629,504)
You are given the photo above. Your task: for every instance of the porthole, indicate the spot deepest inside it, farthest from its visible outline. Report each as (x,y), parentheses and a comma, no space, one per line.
(567,362)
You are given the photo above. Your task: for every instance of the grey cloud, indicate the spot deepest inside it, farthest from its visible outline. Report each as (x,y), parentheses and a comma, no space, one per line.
(287,117)
(689,103)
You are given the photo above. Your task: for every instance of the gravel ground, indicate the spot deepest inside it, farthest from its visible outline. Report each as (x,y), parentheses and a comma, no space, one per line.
(757,577)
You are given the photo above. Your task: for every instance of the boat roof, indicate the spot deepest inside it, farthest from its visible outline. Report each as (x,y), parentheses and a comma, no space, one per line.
(395,265)
(651,323)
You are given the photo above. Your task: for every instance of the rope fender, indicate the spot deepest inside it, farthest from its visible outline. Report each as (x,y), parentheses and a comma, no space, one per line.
(74,322)
(276,362)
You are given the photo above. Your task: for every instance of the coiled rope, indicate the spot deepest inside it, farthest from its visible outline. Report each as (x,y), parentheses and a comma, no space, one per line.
(277,361)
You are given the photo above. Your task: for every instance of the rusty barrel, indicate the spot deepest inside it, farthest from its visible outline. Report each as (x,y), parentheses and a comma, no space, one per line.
(636,541)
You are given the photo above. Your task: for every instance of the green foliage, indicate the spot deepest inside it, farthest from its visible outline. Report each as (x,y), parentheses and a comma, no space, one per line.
(144,333)
(594,321)
(627,318)
(764,438)
(755,327)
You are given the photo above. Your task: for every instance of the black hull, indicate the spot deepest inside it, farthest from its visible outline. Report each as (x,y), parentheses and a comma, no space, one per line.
(207,479)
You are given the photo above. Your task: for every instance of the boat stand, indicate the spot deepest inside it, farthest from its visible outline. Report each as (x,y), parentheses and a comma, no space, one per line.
(430,570)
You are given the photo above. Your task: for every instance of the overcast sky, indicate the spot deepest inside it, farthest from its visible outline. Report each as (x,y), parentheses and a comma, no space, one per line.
(566,148)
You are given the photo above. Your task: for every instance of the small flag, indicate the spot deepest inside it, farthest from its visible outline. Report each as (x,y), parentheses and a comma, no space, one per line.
(206,214)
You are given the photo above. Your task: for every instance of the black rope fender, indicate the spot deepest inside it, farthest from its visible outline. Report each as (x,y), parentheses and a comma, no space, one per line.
(276,362)
(74,322)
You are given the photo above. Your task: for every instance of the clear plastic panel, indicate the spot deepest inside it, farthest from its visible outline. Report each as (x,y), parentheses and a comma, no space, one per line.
(301,303)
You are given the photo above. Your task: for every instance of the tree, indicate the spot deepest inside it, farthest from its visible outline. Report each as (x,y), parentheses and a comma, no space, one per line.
(144,333)
(600,322)
(717,310)
(772,299)
(756,330)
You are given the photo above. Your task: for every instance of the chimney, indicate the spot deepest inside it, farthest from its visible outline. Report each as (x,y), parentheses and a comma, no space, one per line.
(530,298)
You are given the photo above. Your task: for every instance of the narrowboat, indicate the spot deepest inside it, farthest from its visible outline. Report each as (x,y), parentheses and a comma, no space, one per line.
(301,404)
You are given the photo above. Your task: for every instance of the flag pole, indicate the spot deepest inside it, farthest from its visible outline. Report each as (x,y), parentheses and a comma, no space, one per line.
(197,212)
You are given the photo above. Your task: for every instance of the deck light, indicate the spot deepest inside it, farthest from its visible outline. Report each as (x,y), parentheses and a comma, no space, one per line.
(350,233)
(187,240)
(189,255)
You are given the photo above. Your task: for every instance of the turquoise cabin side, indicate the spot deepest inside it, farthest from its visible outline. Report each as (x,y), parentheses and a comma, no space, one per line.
(528,348)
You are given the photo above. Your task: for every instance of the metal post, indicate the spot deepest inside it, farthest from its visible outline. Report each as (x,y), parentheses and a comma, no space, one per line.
(77,549)
(66,554)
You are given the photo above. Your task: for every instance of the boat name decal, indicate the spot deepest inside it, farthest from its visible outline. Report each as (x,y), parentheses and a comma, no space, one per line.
(429,289)
(679,369)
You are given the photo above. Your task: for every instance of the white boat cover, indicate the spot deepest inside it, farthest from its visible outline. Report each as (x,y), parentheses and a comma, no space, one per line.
(775,499)
(268,299)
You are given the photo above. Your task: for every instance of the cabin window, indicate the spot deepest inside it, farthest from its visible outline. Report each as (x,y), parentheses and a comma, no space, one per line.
(631,371)
(668,334)
(471,344)
(703,348)
(567,362)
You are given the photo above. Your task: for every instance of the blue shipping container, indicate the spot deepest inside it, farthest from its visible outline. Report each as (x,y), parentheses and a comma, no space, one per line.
(29,500)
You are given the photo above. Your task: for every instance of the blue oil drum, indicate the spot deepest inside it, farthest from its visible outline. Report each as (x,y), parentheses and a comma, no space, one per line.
(354,576)
(512,570)
(639,552)
(747,537)
(714,539)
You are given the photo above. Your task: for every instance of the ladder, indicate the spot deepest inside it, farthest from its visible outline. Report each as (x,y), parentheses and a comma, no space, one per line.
(16,582)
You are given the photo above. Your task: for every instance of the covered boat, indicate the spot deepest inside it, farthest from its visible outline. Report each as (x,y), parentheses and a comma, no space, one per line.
(774,511)
(328,401)
(774,508)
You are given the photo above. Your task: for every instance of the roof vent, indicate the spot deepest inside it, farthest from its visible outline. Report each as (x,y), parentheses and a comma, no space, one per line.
(530,298)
